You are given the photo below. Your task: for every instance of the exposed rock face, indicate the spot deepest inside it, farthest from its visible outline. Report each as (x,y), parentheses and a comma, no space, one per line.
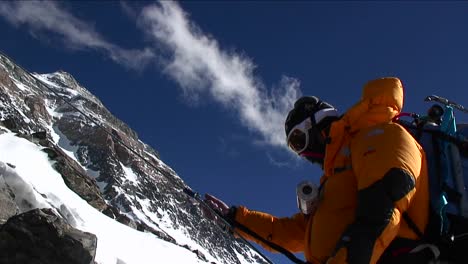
(41,237)
(102,160)
(8,206)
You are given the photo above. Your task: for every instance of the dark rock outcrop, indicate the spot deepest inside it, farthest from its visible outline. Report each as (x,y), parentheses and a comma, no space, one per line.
(75,177)
(8,206)
(40,236)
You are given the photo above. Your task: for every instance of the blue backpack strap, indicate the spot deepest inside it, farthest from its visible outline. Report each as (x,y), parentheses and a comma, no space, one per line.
(442,200)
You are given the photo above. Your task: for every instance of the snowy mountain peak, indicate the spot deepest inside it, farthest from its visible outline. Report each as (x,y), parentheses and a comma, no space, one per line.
(62,78)
(96,158)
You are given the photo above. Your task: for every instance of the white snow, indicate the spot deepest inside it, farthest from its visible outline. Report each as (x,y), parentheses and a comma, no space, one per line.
(53,134)
(20,85)
(51,111)
(95,174)
(117,243)
(25,118)
(129,174)
(44,78)
(165,224)
(65,144)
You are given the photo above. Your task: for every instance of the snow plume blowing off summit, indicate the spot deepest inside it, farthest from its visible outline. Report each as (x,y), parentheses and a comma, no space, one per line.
(200,66)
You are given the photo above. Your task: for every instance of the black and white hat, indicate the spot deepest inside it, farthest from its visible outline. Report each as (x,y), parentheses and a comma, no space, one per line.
(320,112)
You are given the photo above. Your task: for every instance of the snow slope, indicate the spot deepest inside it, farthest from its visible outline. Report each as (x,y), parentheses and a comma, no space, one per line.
(40,185)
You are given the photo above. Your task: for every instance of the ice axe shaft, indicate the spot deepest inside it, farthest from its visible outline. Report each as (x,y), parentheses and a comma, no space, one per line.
(445,101)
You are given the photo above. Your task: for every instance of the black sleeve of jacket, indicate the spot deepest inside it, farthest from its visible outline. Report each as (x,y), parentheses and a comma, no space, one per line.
(374,212)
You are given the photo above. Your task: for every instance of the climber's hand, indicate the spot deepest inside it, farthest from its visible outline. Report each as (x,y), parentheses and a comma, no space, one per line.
(217,205)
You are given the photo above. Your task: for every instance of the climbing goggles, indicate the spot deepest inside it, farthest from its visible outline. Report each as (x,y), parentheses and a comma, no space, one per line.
(299,137)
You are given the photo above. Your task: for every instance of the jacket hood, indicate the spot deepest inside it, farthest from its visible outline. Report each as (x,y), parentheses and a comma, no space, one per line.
(381,101)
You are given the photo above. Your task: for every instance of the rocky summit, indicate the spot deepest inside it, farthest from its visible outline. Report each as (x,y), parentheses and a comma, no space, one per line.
(103,161)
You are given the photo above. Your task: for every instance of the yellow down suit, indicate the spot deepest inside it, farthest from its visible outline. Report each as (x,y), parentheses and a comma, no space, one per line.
(373,172)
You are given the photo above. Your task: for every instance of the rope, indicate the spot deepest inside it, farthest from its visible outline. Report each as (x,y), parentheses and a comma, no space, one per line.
(196,196)
(236,225)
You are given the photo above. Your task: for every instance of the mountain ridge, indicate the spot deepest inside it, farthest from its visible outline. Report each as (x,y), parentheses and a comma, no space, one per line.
(94,159)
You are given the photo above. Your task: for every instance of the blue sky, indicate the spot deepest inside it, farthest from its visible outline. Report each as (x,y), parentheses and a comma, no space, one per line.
(208,84)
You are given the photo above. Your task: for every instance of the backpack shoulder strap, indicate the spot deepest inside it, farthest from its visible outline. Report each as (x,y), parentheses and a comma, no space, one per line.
(413,226)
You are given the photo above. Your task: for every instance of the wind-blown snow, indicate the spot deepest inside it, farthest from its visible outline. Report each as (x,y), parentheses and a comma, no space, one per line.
(117,243)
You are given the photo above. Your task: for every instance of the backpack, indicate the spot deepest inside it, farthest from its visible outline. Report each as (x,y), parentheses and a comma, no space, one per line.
(446,146)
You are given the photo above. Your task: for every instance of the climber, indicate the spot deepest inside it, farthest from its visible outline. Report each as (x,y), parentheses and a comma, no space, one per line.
(374,172)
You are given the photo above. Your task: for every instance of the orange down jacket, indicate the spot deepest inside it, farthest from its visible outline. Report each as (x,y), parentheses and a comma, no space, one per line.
(373,172)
